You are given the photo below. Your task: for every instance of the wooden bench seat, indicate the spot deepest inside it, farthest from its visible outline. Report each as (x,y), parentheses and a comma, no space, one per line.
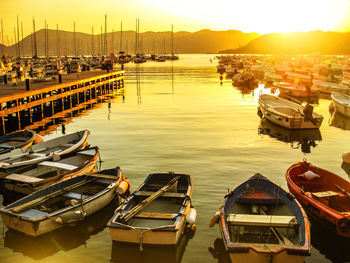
(156,215)
(262,220)
(64,166)
(72,195)
(166,194)
(327,194)
(23,178)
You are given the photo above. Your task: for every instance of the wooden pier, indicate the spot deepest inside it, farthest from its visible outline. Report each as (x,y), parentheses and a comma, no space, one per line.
(21,109)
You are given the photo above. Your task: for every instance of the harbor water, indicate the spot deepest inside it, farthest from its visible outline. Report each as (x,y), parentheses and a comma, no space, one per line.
(177,116)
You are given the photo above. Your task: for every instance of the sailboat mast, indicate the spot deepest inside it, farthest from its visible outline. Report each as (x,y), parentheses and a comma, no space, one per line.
(121,36)
(75,45)
(35,47)
(2,39)
(92,40)
(18,45)
(172,39)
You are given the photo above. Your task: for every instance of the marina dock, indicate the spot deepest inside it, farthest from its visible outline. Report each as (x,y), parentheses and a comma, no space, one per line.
(20,107)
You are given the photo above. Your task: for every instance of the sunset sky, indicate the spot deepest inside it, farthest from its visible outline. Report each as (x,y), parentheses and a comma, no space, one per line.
(186,15)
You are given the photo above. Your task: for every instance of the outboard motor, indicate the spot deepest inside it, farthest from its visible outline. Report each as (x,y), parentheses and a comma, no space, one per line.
(308,110)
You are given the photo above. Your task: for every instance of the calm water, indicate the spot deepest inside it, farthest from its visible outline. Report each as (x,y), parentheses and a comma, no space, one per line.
(178,117)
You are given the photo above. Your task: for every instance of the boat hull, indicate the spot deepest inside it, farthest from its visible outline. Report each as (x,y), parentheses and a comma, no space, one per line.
(255,257)
(341,107)
(336,221)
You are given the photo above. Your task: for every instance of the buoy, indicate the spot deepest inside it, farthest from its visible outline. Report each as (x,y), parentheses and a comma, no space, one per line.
(309,175)
(122,187)
(191,216)
(215,219)
(346,157)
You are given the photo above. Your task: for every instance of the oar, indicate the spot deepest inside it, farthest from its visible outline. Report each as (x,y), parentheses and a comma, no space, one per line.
(343,190)
(129,214)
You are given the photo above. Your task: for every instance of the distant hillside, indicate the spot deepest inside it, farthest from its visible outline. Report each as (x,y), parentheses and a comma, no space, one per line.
(204,41)
(297,43)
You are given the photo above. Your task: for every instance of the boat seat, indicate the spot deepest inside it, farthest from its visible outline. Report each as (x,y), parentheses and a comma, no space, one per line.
(23,178)
(104,181)
(71,195)
(68,145)
(89,152)
(33,213)
(166,194)
(262,220)
(156,215)
(38,154)
(58,165)
(327,194)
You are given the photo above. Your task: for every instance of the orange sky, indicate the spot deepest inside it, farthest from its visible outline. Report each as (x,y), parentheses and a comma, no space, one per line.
(187,15)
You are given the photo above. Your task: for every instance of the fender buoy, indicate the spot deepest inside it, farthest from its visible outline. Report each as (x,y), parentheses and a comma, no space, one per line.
(346,157)
(215,219)
(122,187)
(191,216)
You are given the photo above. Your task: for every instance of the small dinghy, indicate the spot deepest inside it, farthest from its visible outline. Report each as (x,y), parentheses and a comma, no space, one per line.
(34,177)
(262,222)
(64,203)
(341,103)
(157,213)
(324,195)
(289,114)
(43,151)
(18,140)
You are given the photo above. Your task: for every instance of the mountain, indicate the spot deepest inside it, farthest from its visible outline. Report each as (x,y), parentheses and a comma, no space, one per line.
(204,41)
(297,43)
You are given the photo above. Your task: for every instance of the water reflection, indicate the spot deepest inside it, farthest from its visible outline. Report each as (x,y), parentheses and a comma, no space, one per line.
(346,168)
(219,252)
(63,239)
(339,121)
(299,139)
(330,245)
(127,253)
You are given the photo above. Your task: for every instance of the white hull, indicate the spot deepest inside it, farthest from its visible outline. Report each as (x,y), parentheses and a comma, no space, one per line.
(341,104)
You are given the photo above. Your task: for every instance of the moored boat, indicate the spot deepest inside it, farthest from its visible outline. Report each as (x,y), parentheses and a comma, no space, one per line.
(261,222)
(43,151)
(157,213)
(329,87)
(289,114)
(18,140)
(324,195)
(341,103)
(34,177)
(64,203)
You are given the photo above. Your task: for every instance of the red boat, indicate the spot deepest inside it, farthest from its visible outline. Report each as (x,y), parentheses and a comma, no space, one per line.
(325,196)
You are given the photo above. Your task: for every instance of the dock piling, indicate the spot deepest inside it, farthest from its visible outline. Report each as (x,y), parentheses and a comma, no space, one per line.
(27,84)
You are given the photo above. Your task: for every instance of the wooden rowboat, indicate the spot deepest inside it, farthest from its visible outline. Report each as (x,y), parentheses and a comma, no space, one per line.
(34,177)
(288,114)
(18,140)
(161,221)
(324,195)
(341,103)
(262,222)
(43,151)
(64,203)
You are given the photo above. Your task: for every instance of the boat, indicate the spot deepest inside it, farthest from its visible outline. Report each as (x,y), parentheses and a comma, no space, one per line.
(64,203)
(157,213)
(18,140)
(329,87)
(301,138)
(34,177)
(340,121)
(261,222)
(43,151)
(289,114)
(324,195)
(297,77)
(341,103)
(296,89)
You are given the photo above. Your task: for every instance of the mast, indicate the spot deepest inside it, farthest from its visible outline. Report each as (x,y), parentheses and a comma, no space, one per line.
(172,39)
(58,42)
(2,38)
(105,46)
(92,41)
(136,38)
(75,44)
(35,47)
(22,40)
(47,40)
(113,41)
(18,44)
(121,36)
(101,43)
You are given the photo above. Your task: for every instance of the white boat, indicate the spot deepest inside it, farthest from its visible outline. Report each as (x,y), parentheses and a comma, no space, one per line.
(296,89)
(304,79)
(329,87)
(341,103)
(289,114)
(43,151)
(64,203)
